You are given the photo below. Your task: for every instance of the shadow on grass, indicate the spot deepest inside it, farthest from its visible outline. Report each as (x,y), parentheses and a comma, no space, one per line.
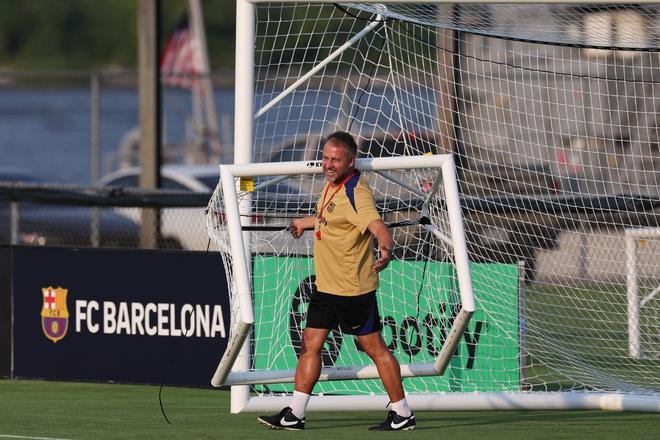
(428,420)
(508,417)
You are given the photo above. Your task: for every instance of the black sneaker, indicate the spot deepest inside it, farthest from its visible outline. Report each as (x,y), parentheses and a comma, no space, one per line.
(284,420)
(395,422)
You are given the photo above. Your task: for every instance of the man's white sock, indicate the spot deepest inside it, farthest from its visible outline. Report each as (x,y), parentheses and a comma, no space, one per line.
(299,403)
(401,408)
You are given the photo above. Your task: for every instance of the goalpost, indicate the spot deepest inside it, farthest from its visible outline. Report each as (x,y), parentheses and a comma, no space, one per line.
(548,113)
(643,286)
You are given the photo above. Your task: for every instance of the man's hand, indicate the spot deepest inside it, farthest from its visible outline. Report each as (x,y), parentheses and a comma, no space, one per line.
(385,256)
(300,225)
(385,244)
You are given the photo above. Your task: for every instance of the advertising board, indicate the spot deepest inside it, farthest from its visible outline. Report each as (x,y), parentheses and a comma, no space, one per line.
(129,316)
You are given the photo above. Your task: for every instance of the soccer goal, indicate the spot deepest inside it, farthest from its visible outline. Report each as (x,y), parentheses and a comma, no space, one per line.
(643,286)
(271,274)
(549,113)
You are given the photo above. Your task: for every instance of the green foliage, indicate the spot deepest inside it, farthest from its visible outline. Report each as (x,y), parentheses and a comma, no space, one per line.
(91,34)
(220,24)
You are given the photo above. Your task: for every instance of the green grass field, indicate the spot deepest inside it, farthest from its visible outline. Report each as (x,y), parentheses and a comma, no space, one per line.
(65,410)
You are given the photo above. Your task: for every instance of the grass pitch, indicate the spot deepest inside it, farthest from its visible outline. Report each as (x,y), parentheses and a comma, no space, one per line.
(76,411)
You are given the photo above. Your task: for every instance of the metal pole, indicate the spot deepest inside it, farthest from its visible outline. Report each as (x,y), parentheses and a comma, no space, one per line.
(150,115)
(445,96)
(95,124)
(460,155)
(205,89)
(95,156)
(15,218)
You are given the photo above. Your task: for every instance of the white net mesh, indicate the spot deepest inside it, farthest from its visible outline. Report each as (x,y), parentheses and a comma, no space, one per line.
(554,128)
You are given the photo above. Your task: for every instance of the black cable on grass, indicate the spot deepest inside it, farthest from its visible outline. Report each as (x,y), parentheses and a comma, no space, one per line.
(167,370)
(160,400)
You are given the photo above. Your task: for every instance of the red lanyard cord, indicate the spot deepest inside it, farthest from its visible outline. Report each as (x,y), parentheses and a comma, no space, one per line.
(324,204)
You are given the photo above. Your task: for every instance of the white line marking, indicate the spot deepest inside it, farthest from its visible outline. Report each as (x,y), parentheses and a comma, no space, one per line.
(30,437)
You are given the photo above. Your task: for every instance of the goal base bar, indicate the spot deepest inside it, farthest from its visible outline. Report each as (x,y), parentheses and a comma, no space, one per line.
(437,368)
(327,374)
(471,402)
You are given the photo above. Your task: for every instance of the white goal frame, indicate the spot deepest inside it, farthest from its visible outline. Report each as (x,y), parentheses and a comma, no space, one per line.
(233,372)
(635,303)
(243,144)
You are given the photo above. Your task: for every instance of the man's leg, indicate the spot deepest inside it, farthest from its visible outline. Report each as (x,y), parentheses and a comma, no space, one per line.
(387,365)
(400,418)
(308,371)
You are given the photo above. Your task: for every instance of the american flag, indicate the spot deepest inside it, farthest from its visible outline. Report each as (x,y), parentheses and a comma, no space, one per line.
(181,58)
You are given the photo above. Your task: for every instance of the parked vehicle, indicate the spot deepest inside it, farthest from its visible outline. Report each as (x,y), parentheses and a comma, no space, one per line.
(37,224)
(188,225)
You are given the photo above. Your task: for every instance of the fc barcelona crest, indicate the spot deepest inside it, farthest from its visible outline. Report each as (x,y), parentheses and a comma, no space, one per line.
(54,313)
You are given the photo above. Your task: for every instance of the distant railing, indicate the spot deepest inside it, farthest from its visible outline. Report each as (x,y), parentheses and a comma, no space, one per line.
(72,215)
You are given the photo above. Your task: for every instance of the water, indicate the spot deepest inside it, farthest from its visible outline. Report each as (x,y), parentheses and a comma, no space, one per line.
(47,131)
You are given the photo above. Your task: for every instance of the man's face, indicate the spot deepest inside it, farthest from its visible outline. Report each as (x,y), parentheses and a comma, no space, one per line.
(337,162)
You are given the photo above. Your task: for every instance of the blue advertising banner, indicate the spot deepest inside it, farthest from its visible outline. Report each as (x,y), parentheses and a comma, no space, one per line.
(130,316)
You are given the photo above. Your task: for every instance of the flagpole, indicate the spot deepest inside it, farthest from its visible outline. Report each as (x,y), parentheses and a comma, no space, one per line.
(205,89)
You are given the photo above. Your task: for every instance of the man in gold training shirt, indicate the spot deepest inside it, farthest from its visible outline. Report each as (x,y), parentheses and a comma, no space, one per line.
(344,225)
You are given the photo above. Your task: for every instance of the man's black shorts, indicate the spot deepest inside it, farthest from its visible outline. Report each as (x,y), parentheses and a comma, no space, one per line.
(354,315)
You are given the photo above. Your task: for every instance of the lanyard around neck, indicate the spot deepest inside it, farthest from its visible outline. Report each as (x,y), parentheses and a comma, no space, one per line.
(324,203)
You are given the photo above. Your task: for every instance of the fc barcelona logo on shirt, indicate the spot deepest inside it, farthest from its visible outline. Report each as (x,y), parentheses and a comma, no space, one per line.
(54,313)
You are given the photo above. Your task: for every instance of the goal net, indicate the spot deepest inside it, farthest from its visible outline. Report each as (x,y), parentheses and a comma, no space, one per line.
(550,114)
